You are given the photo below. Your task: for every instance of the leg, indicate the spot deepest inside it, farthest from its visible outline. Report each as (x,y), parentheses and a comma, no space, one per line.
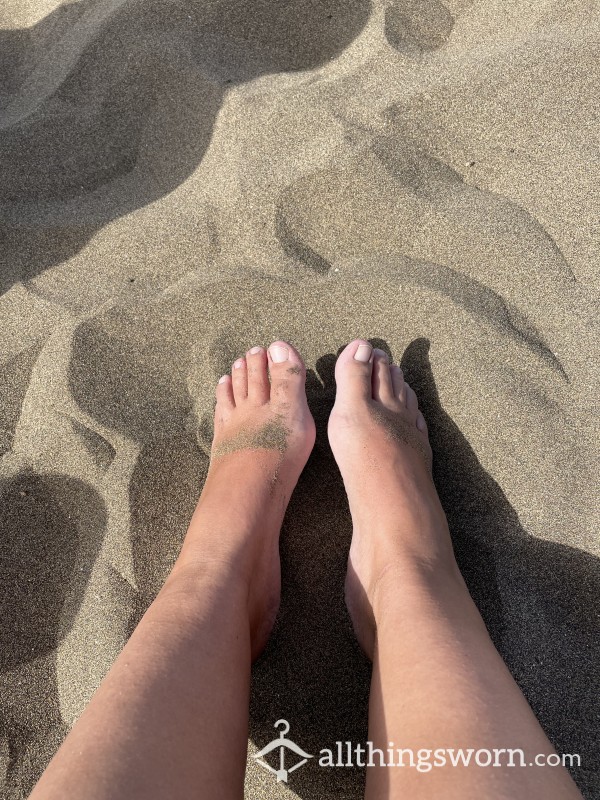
(171,717)
(438,681)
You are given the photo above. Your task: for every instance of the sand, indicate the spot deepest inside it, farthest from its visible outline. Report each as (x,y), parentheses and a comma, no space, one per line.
(180,181)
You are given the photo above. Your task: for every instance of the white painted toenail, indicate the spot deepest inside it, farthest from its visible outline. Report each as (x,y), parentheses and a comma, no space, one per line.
(363,353)
(223,379)
(279,353)
(239,363)
(421,422)
(255,350)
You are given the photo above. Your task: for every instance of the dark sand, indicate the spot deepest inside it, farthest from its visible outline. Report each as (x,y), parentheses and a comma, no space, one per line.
(181,181)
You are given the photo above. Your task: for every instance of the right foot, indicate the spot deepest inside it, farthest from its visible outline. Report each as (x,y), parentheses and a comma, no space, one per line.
(379,440)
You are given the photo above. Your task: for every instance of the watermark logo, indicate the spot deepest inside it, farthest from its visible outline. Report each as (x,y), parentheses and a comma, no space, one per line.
(349,754)
(282,744)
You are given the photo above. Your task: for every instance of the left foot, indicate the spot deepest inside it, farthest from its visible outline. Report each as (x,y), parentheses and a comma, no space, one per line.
(254,413)
(264,433)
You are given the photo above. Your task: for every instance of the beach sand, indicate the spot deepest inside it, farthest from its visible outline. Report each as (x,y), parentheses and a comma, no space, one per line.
(182,180)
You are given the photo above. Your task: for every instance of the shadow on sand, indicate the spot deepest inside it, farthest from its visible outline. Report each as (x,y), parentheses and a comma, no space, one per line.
(540,601)
(52,528)
(108,106)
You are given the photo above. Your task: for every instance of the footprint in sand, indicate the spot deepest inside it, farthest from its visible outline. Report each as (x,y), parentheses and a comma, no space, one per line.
(44,562)
(52,527)
(416,26)
(110,377)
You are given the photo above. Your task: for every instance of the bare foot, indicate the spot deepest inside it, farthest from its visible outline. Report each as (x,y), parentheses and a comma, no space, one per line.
(264,433)
(379,440)
(262,406)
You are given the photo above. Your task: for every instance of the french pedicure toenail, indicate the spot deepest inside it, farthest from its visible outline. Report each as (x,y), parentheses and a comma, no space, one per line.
(363,353)
(223,378)
(239,363)
(279,353)
(255,350)
(381,354)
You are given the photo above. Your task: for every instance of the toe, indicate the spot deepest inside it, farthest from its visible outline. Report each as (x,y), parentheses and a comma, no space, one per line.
(421,424)
(258,379)
(382,378)
(354,370)
(224,392)
(239,379)
(398,384)
(288,373)
(411,399)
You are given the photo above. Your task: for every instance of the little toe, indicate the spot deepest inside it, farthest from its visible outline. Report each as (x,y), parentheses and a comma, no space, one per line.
(354,371)
(288,373)
(259,388)
(239,379)
(382,378)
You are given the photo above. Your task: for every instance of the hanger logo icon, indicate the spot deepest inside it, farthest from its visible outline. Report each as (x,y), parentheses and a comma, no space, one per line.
(282,744)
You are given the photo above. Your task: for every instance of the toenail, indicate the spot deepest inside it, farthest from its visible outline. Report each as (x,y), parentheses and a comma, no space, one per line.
(255,350)
(279,353)
(223,378)
(239,363)
(421,425)
(381,354)
(363,353)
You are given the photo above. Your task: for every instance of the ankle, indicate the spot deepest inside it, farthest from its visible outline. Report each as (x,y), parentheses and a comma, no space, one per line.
(193,587)
(408,537)
(407,583)
(231,553)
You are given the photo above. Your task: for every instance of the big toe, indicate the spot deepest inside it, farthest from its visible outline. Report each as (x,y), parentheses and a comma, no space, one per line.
(288,373)
(354,372)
